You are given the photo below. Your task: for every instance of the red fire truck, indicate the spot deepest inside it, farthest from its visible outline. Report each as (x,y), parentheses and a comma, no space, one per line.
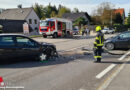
(56,27)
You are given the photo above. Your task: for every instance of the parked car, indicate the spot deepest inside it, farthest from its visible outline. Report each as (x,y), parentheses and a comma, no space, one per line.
(75,31)
(121,41)
(108,31)
(13,46)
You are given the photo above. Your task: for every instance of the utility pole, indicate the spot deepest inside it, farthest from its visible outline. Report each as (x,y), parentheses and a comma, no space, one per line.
(111,18)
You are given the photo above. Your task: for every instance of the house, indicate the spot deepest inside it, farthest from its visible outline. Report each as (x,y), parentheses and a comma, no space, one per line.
(122,13)
(12,20)
(74,16)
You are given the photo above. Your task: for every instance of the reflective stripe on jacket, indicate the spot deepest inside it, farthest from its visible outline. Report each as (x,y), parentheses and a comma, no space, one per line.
(99,41)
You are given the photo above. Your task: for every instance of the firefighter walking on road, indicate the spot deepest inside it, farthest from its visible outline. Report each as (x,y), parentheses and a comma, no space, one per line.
(98,44)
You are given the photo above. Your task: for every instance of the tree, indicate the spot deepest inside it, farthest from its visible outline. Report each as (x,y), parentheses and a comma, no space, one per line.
(39,10)
(63,10)
(50,11)
(128,20)
(118,19)
(53,14)
(103,13)
(80,21)
(76,10)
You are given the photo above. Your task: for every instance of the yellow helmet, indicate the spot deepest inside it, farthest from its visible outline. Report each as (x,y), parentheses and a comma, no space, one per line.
(98,28)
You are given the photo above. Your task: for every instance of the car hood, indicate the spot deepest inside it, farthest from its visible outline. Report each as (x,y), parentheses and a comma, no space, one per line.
(45,43)
(109,39)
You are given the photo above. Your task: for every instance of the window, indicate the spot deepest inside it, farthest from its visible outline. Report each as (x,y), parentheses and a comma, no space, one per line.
(52,24)
(59,26)
(7,41)
(35,21)
(125,35)
(24,42)
(30,21)
(44,23)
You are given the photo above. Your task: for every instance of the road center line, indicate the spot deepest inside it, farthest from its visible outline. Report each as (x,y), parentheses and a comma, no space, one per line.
(121,58)
(100,75)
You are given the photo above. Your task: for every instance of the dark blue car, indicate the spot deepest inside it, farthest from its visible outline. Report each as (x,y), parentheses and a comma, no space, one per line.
(121,41)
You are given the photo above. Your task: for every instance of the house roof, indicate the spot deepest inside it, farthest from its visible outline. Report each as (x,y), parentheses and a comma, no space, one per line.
(120,10)
(74,16)
(15,14)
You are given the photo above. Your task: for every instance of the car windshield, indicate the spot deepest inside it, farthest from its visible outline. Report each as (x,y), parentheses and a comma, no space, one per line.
(106,29)
(124,35)
(44,23)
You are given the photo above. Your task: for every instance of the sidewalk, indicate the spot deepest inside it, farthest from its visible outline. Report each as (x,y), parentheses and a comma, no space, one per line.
(122,80)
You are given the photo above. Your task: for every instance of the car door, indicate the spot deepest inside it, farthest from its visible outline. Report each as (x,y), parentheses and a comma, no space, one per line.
(27,47)
(123,40)
(7,47)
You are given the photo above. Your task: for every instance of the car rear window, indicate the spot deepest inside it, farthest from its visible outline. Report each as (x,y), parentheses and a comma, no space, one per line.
(21,41)
(6,41)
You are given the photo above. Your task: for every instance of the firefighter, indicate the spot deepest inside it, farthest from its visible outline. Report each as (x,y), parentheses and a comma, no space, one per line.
(98,44)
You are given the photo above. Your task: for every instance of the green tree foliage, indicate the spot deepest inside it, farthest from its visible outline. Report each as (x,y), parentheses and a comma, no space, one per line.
(50,11)
(128,20)
(103,13)
(80,21)
(63,10)
(39,9)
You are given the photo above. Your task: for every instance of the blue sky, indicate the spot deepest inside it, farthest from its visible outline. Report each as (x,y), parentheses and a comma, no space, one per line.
(83,5)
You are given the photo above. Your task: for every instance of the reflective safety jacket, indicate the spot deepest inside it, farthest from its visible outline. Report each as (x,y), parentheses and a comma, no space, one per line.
(99,41)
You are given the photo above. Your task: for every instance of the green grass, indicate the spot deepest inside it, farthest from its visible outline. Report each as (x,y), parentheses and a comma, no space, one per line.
(35,36)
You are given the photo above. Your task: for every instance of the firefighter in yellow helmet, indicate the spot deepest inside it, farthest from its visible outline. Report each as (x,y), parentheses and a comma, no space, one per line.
(98,44)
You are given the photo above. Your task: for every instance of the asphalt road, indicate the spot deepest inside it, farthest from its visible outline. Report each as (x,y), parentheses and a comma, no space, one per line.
(77,72)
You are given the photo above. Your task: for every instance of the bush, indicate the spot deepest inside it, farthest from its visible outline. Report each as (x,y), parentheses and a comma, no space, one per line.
(1,31)
(120,28)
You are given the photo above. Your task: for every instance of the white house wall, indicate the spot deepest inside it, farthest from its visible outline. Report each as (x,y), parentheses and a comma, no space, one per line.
(33,16)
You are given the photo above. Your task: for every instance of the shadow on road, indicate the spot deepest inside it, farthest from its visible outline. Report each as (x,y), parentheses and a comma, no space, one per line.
(107,59)
(33,63)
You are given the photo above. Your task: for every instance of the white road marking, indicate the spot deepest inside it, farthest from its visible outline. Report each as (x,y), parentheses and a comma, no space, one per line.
(100,75)
(109,80)
(18,87)
(121,58)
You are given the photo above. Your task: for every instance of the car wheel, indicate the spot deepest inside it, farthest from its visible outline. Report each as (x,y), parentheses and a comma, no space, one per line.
(42,57)
(110,46)
(44,36)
